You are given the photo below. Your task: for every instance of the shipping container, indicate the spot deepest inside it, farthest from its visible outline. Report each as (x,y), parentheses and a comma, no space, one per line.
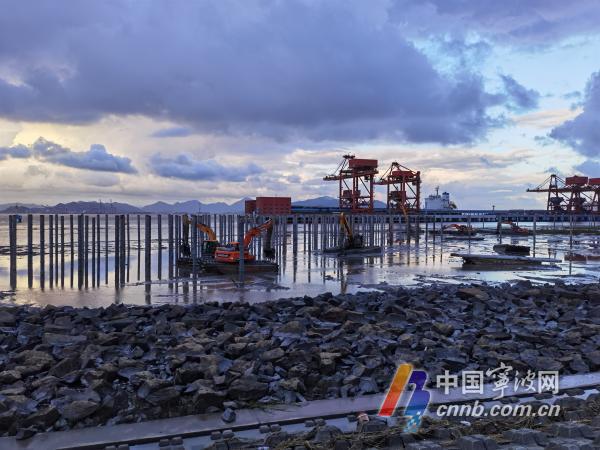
(273,205)
(402,173)
(576,181)
(363,163)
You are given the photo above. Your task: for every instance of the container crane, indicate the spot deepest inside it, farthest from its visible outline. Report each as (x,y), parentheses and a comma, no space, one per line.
(574,194)
(403,188)
(354,174)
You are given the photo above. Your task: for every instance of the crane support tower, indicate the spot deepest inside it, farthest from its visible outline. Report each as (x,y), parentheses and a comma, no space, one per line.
(574,194)
(403,188)
(356,178)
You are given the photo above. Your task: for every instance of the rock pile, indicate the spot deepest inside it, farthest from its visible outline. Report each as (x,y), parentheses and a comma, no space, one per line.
(62,367)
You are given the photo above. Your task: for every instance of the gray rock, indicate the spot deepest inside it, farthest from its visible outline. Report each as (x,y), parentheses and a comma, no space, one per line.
(63,340)
(247,388)
(163,396)
(228,415)
(78,410)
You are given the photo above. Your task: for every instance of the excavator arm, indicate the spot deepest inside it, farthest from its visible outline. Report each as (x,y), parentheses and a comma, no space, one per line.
(212,236)
(256,231)
(346,226)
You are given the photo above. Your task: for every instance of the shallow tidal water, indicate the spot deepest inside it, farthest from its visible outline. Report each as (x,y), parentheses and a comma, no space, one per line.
(308,272)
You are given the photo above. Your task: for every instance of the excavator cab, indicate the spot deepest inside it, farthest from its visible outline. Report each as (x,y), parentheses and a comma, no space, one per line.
(230,253)
(351,240)
(208,248)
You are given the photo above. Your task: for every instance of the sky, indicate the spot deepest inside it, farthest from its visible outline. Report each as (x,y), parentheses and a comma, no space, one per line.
(215,100)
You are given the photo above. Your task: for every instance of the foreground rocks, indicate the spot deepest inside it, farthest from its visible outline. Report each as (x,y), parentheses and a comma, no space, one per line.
(64,368)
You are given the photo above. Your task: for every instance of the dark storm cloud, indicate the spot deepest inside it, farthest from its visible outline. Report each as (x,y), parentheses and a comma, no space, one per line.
(519,97)
(590,168)
(185,167)
(17,151)
(96,158)
(316,70)
(583,132)
(531,22)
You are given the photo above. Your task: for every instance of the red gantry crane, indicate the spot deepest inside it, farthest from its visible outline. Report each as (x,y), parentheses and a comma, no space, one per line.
(403,188)
(574,194)
(356,178)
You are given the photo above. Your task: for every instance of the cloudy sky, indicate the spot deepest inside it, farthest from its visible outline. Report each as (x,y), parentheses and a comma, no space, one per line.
(138,101)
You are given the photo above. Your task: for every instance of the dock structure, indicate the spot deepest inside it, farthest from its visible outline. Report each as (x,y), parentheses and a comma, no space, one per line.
(69,257)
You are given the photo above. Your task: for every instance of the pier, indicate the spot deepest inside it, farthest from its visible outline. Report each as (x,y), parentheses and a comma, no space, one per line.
(87,250)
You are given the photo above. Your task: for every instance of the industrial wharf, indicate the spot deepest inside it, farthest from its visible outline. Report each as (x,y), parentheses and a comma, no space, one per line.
(84,250)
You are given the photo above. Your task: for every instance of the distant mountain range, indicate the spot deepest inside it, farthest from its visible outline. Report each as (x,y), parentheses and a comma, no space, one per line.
(195,206)
(329,202)
(190,206)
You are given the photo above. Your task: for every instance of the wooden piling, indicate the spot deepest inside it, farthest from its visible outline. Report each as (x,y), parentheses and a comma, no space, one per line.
(51,249)
(86,250)
(93,252)
(80,258)
(62,251)
(12,232)
(139,247)
(30,250)
(106,249)
(56,249)
(72,252)
(194,251)
(127,258)
(294,235)
(170,238)
(117,239)
(159,231)
(98,254)
(42,253)
(123,258)
(241,247)
(147,248)
(534,232)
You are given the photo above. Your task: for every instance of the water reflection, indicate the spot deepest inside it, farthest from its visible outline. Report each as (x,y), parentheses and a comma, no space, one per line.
(305,272)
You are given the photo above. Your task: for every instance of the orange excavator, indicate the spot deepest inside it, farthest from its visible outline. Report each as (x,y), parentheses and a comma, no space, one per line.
(230,253)
(209,246)
(512,228)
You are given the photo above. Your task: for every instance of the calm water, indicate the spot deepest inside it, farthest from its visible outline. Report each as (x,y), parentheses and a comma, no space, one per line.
(305,273)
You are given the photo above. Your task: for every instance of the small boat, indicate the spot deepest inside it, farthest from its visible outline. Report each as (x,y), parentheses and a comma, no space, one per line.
(510,249)
(472,259)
